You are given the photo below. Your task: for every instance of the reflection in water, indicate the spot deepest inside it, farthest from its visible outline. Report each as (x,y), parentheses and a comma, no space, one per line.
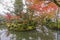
(29,35)
(4,35)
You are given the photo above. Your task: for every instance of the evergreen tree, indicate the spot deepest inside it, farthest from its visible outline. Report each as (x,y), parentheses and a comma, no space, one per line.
(18,6)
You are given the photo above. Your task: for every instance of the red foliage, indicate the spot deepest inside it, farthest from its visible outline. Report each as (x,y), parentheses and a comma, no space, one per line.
(53,5)
(8,16)
(41,7)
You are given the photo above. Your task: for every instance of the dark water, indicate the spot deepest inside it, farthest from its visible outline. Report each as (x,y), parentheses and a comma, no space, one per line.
(37,34)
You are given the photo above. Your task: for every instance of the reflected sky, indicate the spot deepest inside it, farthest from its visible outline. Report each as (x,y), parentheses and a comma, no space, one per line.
(4,35)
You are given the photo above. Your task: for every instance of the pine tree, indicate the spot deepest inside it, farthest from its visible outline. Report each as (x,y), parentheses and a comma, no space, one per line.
(18,6)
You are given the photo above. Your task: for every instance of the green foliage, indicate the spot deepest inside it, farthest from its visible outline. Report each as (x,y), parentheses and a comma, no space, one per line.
(55,1)
(53,25)
(59,23)
(25,22)
(18,6)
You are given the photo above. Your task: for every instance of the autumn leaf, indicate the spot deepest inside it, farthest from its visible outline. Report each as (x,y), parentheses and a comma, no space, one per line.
(53,5)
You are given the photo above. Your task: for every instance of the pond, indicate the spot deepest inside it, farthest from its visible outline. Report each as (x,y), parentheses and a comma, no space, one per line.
(37,34)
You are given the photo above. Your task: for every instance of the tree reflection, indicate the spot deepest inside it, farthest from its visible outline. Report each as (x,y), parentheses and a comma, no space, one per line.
(32,35)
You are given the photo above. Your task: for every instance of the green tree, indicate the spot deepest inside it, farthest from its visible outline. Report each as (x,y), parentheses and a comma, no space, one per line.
(18,6)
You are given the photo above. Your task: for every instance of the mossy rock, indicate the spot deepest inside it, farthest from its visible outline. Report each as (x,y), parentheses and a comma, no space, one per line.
(19,27)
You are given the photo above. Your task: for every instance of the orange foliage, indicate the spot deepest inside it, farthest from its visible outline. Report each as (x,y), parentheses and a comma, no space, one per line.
(53,5)
(34,1)
(49,9)
(42,7)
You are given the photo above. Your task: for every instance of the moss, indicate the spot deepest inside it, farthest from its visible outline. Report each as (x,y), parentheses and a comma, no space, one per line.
(19,27)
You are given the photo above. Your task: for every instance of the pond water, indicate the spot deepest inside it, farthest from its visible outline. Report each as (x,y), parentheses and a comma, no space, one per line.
(37,34)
